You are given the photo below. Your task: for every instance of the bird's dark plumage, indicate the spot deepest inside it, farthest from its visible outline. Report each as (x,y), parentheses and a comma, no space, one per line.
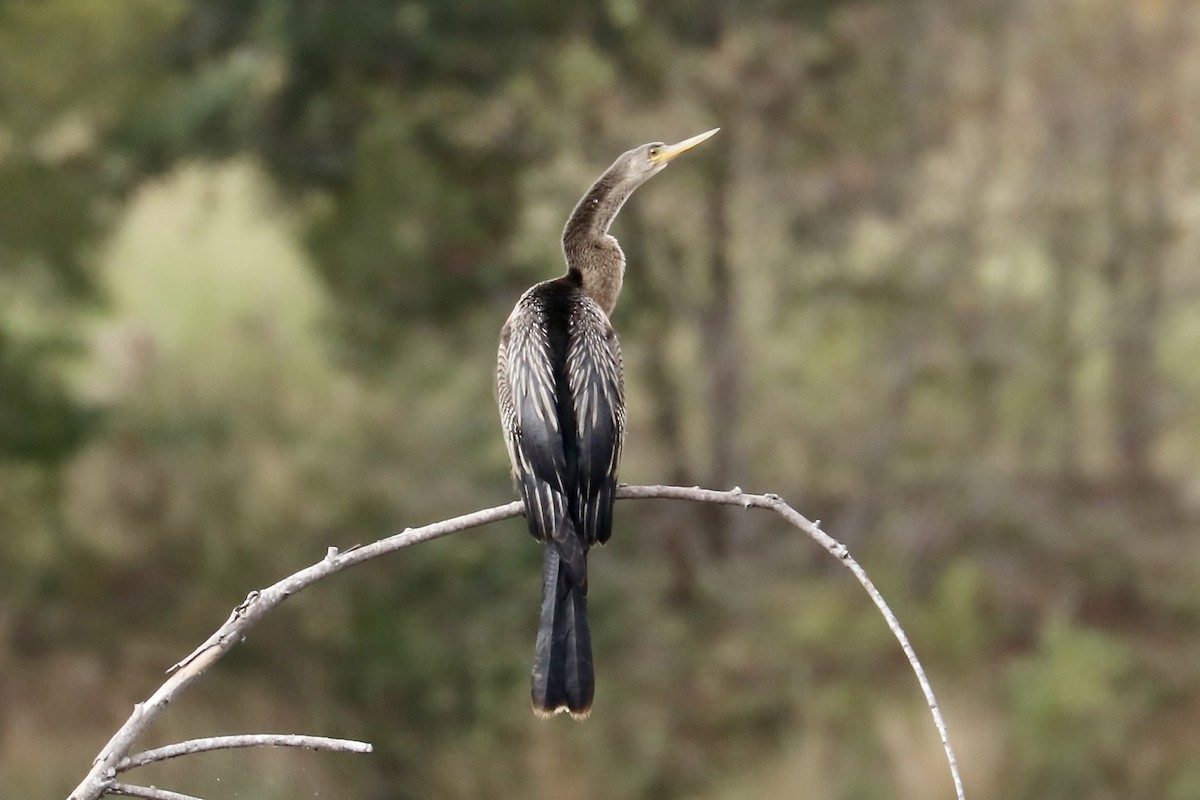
(563,408)
(559,384)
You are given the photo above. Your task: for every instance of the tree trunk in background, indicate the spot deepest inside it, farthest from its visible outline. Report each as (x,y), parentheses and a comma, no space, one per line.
(664,393)
(721,348)
(1063,243)
(1133,269)
(1134,273)
(865,507)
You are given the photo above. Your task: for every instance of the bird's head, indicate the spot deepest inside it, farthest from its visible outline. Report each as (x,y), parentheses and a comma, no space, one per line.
(642,163)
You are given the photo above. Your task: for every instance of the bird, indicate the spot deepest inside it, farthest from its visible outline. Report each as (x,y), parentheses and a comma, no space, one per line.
(560,390)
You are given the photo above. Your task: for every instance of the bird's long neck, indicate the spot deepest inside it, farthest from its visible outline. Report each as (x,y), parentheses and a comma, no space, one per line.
(587,245)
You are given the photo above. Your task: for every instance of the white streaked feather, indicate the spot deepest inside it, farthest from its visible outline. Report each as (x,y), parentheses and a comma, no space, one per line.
(525,384)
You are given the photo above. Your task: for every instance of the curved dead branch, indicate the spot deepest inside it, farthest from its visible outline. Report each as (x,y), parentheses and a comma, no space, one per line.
(115,758)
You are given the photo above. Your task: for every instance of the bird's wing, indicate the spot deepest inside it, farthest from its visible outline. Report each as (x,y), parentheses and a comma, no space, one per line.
(595,377)
(527,390)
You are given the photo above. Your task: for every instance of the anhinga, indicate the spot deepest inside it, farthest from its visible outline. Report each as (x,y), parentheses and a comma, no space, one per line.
(560,388)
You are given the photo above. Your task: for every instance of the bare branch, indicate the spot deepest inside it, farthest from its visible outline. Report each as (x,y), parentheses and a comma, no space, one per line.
(148,792)
(99,780)
(244,740)
(775,503)
(252,609)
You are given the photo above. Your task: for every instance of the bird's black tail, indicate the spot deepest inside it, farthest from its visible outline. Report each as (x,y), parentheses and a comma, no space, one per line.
(563,679)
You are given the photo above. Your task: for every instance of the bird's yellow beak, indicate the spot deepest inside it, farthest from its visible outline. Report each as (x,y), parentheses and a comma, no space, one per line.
(671,151)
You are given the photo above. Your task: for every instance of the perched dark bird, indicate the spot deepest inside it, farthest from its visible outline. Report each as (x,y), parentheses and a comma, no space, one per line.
(561,392)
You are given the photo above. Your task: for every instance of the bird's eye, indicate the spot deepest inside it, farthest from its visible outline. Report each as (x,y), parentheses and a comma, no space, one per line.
(654,151)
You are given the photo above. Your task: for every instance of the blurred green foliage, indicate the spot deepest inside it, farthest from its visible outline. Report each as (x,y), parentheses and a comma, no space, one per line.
(1075,705)
(933,282)
(40,420)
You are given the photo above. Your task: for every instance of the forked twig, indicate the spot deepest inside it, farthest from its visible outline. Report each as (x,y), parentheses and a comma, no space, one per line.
(243,740)
(147,792)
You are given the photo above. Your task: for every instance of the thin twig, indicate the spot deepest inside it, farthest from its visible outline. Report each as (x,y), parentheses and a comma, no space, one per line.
(148,792)
(256,605)
(243,740)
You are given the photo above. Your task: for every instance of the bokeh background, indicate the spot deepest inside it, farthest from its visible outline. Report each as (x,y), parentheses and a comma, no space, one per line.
(935,282)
